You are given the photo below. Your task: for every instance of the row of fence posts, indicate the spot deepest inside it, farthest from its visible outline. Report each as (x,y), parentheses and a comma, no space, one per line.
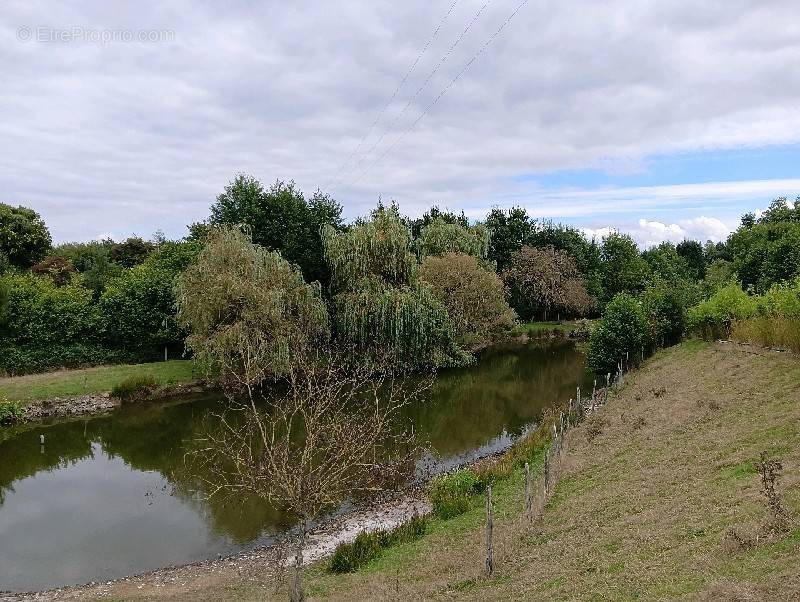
(576,412)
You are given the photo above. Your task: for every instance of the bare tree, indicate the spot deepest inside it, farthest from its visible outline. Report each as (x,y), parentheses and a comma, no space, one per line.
(336,433)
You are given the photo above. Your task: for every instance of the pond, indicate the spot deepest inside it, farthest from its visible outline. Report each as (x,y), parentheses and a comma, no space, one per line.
(110,496)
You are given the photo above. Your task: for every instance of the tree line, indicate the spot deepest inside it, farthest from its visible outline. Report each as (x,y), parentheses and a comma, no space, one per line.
(429,291)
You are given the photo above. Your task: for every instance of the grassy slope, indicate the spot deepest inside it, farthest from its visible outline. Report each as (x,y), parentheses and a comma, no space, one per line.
(639,512)
(91,380)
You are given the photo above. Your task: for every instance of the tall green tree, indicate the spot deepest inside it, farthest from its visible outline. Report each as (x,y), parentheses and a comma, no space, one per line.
(24,237)
(281,219)
(508,231)
(766,250)
(623,268)
(693,253)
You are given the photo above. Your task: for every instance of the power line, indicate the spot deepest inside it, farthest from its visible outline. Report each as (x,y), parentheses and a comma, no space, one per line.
(444,90)
(394,94)
(433,72)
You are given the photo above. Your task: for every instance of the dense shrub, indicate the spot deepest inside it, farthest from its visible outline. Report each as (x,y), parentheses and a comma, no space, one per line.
(665,310)
(139,308)
(451,494)
(349,557)
(714,317)
(47,326)
(16,360)
(10,412)
(622,329)
(544,281)
(135,387)
(474,296)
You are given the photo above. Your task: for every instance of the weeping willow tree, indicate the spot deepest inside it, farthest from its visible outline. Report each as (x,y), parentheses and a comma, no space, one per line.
(379,249)
(381,306)
(440,237)
(249,311)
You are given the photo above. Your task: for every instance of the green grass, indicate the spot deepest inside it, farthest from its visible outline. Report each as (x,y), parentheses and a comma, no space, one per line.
(102,379)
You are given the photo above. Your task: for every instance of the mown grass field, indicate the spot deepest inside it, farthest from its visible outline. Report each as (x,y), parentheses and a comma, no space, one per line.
(648,490)
(101,379)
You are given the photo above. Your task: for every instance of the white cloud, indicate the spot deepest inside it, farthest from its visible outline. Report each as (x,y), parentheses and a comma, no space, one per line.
(138,136)
(649,233)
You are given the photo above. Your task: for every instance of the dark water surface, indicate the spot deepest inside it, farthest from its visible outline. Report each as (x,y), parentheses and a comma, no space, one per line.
(110,496)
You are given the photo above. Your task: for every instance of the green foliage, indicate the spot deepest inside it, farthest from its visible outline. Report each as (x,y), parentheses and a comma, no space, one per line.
(248,310)
(623,269)
(719,273)
(281,219)
(766,253)
(93,261)
(378,249)
(49,326)
(349,557)
(381,307)
(41,314)
(777,318)
(440,237)
(135,387)
(714,317)
(665,309)
(451,494)
(473,295)
(508,231)
(624,328)
(11,412)
(24,237)
(407,324)
(433,214)
(691,251)
(667,264)
(139,309)
(131,252)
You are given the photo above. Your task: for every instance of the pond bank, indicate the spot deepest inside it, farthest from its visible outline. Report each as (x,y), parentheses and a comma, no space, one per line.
(81,405)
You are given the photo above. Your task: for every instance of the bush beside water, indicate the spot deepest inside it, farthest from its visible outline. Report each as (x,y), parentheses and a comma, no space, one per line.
(10,412)
(349,557)
(135,388)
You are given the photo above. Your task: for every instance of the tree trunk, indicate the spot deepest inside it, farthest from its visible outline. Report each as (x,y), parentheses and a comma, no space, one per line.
(296,595)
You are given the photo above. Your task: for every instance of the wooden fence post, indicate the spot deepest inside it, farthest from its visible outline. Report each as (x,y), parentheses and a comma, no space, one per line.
(489,526)
(546,472)
(528,501)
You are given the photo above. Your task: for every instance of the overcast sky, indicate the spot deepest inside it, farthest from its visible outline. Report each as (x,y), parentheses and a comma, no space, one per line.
(662,119)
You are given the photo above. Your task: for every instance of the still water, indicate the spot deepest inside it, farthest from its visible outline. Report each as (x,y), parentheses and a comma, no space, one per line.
(111,496)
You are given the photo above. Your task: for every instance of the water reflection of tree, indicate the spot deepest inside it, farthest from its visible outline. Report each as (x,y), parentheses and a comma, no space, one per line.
(505,391)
